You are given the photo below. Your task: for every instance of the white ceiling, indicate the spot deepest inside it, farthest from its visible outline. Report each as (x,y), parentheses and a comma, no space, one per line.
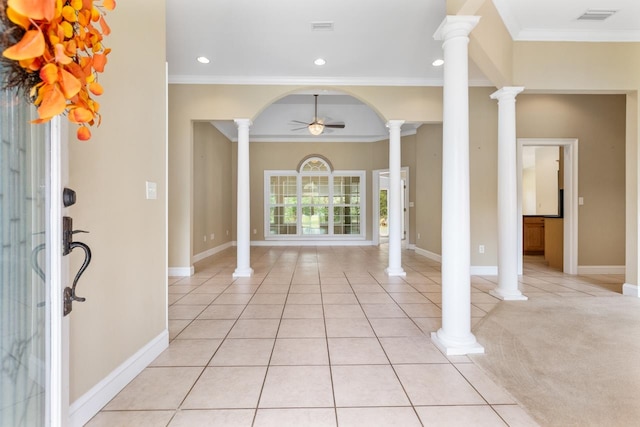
(373,42)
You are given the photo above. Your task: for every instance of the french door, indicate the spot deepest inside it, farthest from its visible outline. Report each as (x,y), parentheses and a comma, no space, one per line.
(33,385)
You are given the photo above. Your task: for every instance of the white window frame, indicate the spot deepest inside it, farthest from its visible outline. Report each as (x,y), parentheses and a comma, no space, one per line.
(320,237)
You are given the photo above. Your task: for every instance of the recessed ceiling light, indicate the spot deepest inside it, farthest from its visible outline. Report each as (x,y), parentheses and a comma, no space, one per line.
(438,62)
(203,59)
(319,61)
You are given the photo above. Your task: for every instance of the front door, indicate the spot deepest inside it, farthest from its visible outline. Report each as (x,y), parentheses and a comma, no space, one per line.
(29,270)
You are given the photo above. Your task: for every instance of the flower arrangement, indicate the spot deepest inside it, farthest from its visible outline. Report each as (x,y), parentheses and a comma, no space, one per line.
(53,51)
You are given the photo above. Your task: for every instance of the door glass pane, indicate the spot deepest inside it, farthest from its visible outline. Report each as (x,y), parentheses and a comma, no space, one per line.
(23,297)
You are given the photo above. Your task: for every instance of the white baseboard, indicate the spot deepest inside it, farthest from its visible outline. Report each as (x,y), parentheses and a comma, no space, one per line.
(484,270)
(209,252)
(601,269)
(630,290)
(181,271)
(90,403)
(428,254)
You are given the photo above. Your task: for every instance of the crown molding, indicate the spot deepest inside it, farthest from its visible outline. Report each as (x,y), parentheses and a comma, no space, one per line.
(312,81)
(304,81)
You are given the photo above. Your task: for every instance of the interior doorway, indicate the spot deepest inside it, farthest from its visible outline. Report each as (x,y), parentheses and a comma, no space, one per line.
(380,218)
(566,219)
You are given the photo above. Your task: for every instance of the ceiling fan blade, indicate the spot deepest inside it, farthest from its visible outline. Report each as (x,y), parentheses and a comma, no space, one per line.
(335,125)
(304,127)
(299,122)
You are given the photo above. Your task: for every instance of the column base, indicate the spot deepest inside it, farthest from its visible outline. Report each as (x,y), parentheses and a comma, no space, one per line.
(395,272)
(454,347)
(243,272)
(508,296)
(630,290)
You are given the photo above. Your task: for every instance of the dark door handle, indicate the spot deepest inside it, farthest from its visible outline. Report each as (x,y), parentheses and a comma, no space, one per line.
(69,245)
(83,267)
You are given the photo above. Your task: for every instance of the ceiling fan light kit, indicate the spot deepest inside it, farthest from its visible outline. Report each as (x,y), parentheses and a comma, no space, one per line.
(316,127)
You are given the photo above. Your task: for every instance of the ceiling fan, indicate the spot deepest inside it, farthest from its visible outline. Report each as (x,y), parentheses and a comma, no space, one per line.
(317,126)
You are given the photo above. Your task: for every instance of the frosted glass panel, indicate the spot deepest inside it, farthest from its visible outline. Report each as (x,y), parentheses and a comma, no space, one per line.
(23,297)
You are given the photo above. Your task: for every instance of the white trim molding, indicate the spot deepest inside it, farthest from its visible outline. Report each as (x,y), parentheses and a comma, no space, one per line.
(428,254)
(181,271)
(630,290)
(570,147)
(210,252)
(90,403)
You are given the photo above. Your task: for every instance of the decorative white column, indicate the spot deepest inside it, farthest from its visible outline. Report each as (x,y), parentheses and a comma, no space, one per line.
(243,232)
(507,197)
(455,337)
(395,201)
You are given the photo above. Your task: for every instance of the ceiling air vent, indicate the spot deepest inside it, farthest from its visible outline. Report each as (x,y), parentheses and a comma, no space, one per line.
(322,26)
(596,15)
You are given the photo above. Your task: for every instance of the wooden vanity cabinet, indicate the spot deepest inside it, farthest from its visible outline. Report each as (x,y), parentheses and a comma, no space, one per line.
(533,235)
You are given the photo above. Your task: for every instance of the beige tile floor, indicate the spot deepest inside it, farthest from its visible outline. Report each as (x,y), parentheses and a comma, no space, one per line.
(320,336)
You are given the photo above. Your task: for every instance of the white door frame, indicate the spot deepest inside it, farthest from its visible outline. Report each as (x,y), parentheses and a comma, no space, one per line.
(58,410)
(570,208)
(375,219)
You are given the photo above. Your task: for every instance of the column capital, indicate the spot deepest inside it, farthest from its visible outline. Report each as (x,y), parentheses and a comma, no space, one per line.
(394,124)
(507,92)
(242,123)
(456,26)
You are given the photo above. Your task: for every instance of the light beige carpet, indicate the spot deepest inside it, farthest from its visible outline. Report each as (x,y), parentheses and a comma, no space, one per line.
(570,361)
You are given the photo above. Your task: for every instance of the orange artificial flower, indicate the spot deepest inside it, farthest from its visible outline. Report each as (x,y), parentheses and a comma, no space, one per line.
(83,134)
(32,45)
(62,43)
(34,9)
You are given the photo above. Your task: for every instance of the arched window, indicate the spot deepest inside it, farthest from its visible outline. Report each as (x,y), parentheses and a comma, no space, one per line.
(314,202)
(315,163)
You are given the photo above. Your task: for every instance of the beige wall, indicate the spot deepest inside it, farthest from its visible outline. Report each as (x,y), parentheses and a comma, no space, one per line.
(409,160)
(631,153)
(490,45)
(591,118)
(214,199)
(188,103)
(125,285)
(212,173)
(483,174)
(577,66)
(428,187)
(598,122)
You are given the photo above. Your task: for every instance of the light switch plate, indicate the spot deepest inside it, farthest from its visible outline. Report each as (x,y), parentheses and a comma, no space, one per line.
(152,192)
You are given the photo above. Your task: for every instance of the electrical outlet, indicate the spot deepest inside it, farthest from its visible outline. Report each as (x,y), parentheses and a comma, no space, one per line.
(418,235)
(204,238)
(212,236)
(255,231)
(151,190)
(227,232)
(481,249)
